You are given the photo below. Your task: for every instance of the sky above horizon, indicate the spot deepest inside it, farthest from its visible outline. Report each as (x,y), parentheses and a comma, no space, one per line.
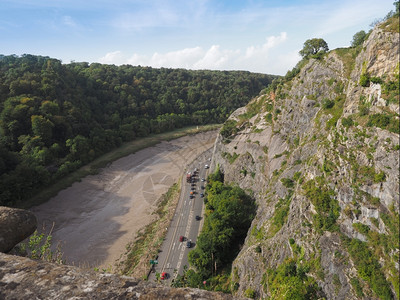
(252,35)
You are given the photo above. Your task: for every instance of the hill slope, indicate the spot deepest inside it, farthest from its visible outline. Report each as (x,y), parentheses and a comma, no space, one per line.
(321,154)
(56,117)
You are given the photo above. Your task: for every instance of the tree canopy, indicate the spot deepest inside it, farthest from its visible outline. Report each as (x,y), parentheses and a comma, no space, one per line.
(56,117)
(358,38)
(313,46)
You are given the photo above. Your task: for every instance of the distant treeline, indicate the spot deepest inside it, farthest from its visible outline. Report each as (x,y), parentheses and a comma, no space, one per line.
(57,117)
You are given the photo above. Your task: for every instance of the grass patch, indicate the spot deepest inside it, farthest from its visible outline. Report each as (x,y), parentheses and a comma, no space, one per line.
(280,215)
(231,158)
(348,56)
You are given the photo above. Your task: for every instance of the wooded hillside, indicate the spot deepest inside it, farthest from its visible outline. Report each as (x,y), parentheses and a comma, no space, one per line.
(56,117)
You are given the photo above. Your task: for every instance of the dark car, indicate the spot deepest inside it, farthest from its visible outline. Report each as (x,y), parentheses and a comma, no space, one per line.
(201,195)
(189,244)
(198,218)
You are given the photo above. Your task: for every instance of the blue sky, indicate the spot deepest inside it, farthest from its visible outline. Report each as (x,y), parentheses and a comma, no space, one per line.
(254,35)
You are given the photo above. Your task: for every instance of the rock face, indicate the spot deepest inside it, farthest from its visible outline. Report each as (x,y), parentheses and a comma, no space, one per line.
(325,175)
(23,278)
(15,226)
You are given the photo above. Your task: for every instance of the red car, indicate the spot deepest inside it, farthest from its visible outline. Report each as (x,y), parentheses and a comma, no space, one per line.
(181,238)
(164,275)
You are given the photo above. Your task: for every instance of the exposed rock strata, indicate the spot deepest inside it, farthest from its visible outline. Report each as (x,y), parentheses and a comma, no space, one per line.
(23,278)
(302,138)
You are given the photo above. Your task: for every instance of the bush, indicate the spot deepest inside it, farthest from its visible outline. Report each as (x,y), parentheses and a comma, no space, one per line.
(347,122)
(327,103)
(361,228)
(289,281)
(250,293)
(364,80)
(287,182)
(379,177)
(358,38)
(328,209)
(229,128)
(376,80)
(368,267)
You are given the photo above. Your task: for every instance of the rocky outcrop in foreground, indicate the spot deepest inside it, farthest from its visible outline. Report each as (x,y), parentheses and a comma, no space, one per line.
(15,226)
(23,278)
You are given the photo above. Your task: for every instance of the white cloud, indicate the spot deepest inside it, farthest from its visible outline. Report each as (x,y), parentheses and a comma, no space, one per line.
(271,42)
(215,58)
(255,58)
(115,57)
(68,21)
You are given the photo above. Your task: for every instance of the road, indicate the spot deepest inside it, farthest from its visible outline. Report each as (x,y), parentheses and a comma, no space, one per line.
(174,254)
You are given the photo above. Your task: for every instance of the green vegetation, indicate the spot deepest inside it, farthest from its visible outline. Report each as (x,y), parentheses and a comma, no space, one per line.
(385,121)
(229,157)
(290,281)
(56,118)
(367,174)
(357,287)
(228,215)
(368,267)
(327,207)
(361,228)
(229,129)
(38,247)
(287,182)
(280,214)
(358,38)
(347,122)
(313,47)
(335,110)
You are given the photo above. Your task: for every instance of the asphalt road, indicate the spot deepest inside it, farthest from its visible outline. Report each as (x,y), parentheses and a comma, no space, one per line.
(174,254)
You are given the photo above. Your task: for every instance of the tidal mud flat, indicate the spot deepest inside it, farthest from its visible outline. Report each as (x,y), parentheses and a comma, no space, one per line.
(94,219)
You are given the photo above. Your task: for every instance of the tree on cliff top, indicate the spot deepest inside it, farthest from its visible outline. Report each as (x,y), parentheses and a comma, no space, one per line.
(313,46)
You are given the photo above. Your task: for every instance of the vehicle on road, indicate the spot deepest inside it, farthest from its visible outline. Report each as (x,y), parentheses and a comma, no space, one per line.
(201,195)
(198,218)
(188,177)
(206,166)
(202,180)
(164,275)
(181,238)
(189,244)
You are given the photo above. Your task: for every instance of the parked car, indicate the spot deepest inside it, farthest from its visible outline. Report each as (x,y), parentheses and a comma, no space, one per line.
(189,244)
(201,195)
(203,179)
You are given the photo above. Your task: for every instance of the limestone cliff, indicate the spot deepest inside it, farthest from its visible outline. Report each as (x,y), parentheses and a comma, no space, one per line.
(320,153)
(23,278)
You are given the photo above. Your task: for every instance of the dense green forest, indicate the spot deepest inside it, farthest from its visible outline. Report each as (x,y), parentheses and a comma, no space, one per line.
(57,117)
